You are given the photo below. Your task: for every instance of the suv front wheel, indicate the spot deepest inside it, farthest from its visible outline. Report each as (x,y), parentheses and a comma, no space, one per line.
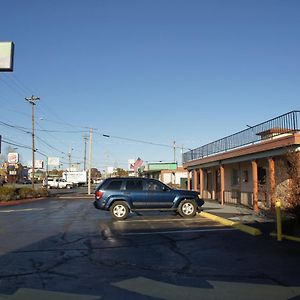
(119,210)
(187,208)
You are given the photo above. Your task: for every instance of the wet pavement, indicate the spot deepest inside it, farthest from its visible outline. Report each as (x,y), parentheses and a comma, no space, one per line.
(66,249)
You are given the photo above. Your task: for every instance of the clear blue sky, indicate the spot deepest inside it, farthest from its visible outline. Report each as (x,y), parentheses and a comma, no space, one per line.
(191,71)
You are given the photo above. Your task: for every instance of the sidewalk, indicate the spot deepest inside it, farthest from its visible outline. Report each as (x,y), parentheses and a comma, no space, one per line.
(236,213)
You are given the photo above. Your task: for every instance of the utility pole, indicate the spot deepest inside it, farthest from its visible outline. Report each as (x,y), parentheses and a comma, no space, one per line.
(85,137)
(69,156)
(32,100)
(174,149)
(90,161)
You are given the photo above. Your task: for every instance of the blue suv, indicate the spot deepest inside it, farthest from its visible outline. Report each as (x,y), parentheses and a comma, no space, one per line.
(122,195)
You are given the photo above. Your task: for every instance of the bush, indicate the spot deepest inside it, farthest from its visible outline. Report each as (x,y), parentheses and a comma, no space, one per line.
(293,159)
(12,193)
(8,193)
(26,192)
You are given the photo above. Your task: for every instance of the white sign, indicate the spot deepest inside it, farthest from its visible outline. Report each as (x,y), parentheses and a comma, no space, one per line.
(38,164)
(13,158)
(53,161)
(6,56)
(110,170)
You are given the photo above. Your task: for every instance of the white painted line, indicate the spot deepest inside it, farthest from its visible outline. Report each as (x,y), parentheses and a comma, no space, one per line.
(21,210)
(158,220)
(75,197)
(179,231)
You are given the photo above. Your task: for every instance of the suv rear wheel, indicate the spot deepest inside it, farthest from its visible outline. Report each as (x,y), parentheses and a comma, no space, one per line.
(119,210)
(187,208)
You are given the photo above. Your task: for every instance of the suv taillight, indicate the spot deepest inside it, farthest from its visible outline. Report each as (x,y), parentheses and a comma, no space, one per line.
(99,195)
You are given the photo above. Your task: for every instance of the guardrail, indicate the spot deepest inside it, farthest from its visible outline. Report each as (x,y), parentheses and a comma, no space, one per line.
(284,124)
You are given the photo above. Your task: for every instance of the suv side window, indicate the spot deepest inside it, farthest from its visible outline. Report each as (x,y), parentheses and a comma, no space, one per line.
(134,185)
(114,185)
(155,186)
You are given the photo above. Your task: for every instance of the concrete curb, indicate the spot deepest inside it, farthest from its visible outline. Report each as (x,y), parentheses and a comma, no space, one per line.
(24,201)
(16,202)
(242,227)
(287,237)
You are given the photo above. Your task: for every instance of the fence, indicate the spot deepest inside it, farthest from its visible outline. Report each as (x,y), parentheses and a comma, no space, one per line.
(285,124)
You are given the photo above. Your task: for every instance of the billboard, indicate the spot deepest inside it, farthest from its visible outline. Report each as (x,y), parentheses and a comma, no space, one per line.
(38,164)
(53,161)
(6,56)
(13,158)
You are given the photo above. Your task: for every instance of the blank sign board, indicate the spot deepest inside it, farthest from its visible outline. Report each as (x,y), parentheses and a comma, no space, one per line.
(6,56)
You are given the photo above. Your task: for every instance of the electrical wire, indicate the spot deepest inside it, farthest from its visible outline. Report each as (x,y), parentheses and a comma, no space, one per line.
(16,144)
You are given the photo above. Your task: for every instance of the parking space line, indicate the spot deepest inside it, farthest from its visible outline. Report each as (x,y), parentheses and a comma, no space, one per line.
(158,220)
(21,210)
(179,231)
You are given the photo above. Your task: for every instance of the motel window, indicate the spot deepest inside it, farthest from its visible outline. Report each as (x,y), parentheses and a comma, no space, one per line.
(245,176)
(235,178)
(261,174)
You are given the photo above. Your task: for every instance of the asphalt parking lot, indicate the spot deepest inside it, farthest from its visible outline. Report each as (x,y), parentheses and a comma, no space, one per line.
(63,248)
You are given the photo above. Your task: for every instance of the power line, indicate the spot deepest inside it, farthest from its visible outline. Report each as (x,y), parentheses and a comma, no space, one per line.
(8,83)
(16,144)
(20,128)
(50,146)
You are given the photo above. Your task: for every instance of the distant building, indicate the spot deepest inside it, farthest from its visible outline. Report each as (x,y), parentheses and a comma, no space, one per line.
(167,172)
(248,167)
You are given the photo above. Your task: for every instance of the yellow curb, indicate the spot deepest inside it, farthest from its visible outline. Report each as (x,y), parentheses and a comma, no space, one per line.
(287,237)
(226,222)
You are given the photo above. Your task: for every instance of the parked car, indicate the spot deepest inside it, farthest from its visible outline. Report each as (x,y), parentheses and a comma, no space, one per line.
(122,195)
(57,183)
(26,181)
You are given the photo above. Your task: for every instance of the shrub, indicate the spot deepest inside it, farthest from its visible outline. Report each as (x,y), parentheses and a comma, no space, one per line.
(8,193)
(26,192)
(293,160)
(42,192)
(12,193)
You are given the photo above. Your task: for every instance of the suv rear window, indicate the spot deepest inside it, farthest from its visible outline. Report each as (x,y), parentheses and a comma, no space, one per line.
(134,185)
(114,185)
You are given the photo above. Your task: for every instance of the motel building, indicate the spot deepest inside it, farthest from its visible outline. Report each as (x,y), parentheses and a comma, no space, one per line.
(249,167)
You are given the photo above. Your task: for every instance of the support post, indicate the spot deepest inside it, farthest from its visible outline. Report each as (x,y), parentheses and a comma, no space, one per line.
(189,180)
(195,180)
(201,182)
(254,185)
(271,181)
(222,184)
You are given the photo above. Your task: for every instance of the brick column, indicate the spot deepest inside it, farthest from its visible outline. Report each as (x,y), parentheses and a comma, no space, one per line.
(195,180)
(254,185)
(271,181)
(222,184)
(201,182)
(188,180)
